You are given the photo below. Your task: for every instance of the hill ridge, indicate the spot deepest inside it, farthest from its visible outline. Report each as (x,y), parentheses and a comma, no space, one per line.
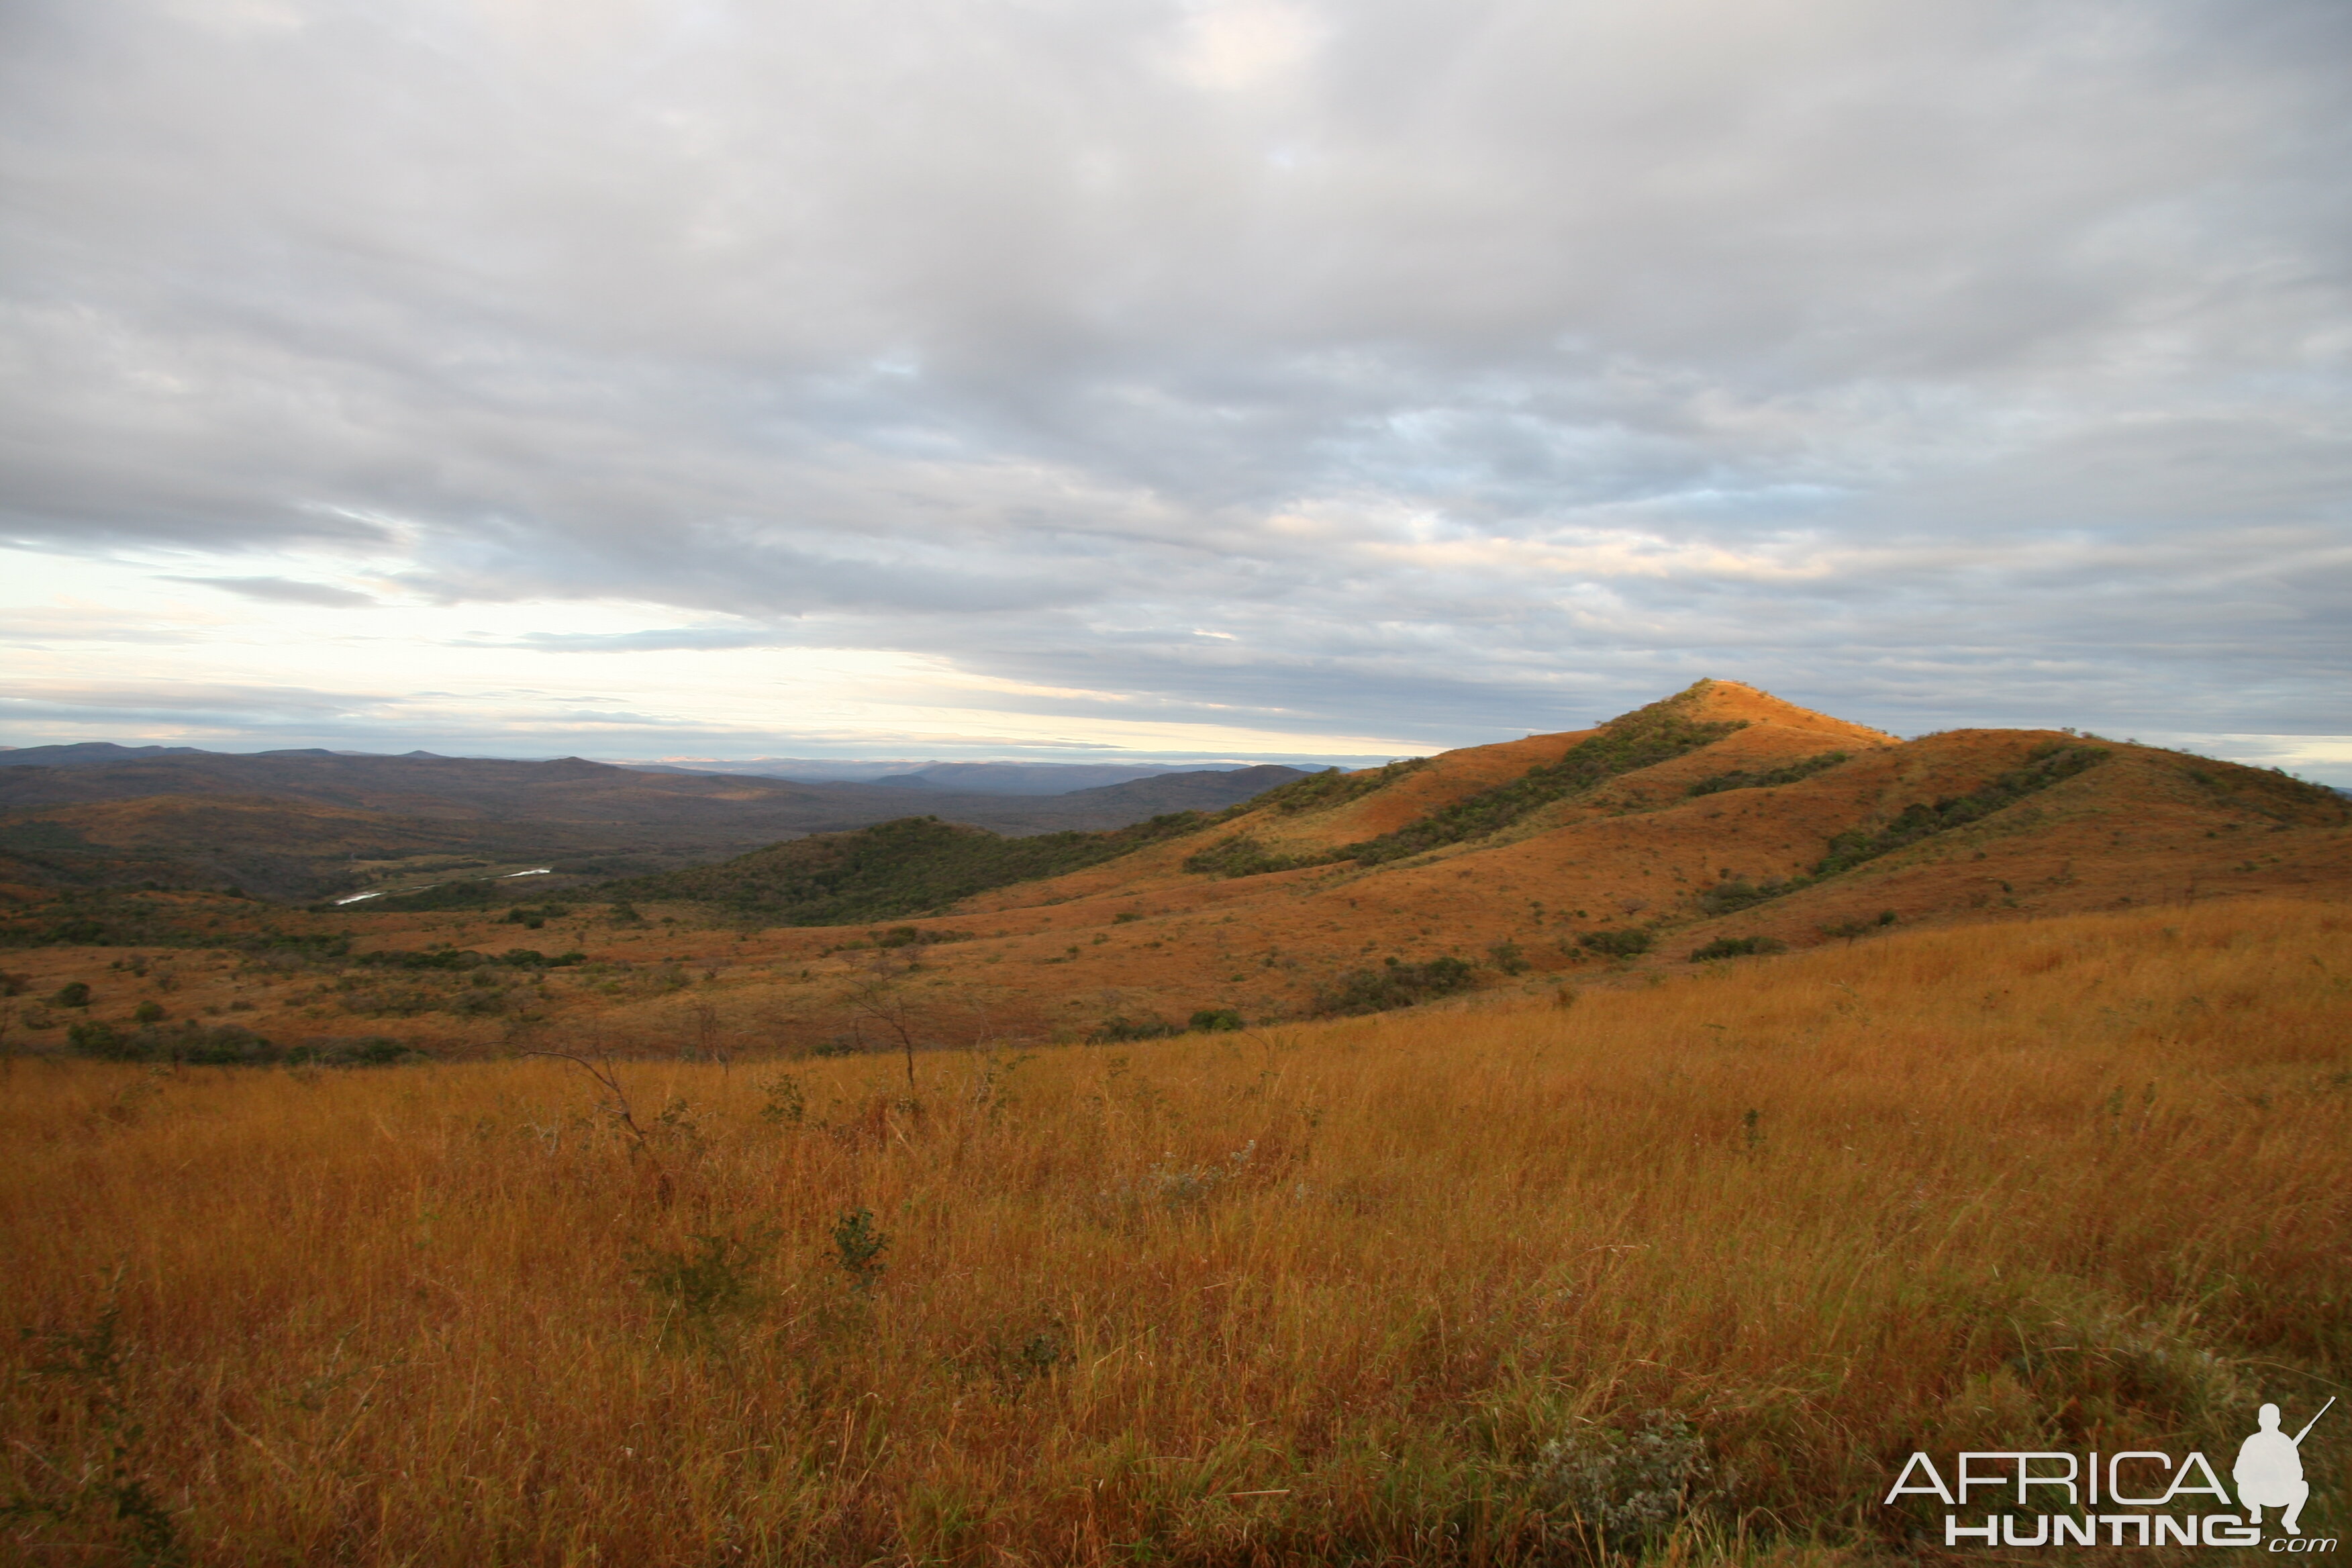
(1778,827)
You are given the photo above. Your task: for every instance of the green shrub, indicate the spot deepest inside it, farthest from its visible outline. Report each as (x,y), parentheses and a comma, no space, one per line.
(73,994)
(1505,957)
(1623,1489)
(1737,893)
(915,936)
(226,1044)
(858,1248)
(465,959)
(1738,947)
(1627,943)
(713,1276)
(1114,1030)
(1215,1020)
(1397,985)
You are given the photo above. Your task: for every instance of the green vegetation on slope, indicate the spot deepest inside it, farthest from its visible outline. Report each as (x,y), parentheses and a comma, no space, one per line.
(1398,985)
(902,867)
(2046,765)
(2049,764)
(109,919)
(1244,856)
(1740,778)
(1643,738)
(1331,787)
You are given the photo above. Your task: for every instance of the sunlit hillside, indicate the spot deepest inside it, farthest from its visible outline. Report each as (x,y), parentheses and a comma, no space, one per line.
(1434,1287)
(1718,823)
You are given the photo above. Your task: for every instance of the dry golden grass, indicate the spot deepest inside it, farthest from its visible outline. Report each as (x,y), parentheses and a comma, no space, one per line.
(1315,1294)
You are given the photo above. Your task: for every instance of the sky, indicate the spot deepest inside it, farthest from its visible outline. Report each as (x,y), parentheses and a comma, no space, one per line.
(1100,379)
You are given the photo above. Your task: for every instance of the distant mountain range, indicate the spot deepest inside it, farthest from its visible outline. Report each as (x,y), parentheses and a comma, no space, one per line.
(955,778)
(966,778)
(302,823)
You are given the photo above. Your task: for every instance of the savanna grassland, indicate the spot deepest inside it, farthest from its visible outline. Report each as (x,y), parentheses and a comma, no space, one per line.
(1684,1263)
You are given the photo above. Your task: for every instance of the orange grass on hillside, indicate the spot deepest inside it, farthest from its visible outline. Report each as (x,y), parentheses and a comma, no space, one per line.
(1314,1294)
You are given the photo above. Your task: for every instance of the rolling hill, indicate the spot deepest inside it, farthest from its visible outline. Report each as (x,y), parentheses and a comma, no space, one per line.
(306,824)
(1717,823)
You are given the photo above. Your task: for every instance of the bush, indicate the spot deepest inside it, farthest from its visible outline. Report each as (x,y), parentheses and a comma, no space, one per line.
(1397,985)
(459,959)
(74,993)
(226,1044)
(1738,947)
(1506,957)
(713,1276)
(1114,1030)
(1215,1020)
(1628,944)
(1731,897)
(914,936)
(1626,1488)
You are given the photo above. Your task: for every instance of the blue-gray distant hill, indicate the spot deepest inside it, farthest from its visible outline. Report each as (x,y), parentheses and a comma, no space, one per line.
(307,824)
(1034,778)
(86,754)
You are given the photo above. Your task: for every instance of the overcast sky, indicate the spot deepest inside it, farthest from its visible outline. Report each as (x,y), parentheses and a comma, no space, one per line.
(644,378)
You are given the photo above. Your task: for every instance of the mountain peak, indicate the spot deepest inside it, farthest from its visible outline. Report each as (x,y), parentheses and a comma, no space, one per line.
(1736,700)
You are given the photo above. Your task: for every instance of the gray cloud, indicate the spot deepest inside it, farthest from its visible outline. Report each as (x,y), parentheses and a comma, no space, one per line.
(1466,367)
(282,590)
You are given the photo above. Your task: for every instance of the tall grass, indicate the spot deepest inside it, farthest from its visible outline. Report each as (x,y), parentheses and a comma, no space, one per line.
(1335,1291)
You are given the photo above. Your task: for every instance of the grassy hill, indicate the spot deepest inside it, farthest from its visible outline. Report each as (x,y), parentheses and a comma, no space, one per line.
(915,865)
(1720,822)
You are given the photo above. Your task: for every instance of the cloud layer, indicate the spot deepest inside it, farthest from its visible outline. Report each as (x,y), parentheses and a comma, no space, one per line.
(1394,371)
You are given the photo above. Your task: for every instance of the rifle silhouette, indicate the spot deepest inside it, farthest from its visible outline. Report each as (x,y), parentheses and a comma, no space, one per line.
(2315,1420)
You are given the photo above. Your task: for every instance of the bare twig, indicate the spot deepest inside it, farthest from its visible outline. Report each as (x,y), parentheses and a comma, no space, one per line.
(618,1109)
(880,1000)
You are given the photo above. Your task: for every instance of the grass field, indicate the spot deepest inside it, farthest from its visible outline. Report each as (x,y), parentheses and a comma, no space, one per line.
(1475,1287)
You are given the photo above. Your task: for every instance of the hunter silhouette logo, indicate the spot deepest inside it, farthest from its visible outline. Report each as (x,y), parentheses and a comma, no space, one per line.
(2136,1497)
(2269,1471)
